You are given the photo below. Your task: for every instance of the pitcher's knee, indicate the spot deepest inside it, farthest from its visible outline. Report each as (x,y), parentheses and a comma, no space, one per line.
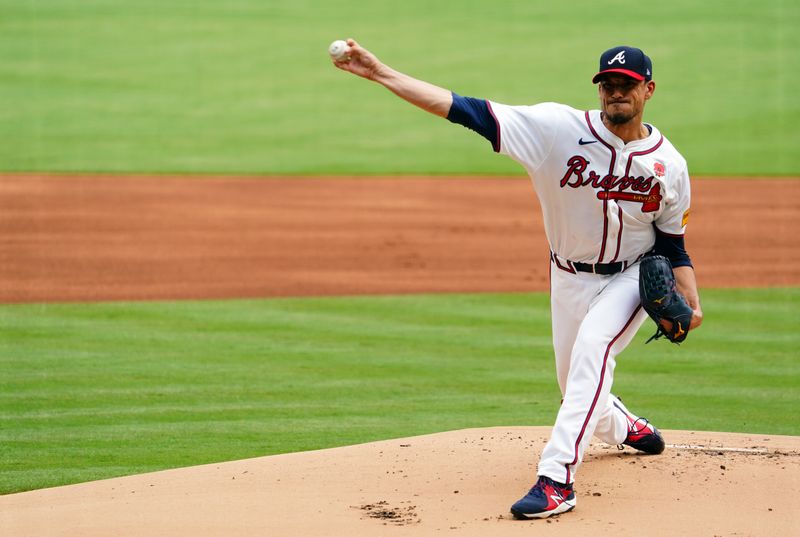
(591,347)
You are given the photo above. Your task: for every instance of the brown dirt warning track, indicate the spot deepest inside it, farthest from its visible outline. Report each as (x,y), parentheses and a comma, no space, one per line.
(90,238)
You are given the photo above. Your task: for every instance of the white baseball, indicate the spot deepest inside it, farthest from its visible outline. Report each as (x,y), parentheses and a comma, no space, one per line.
(338,50)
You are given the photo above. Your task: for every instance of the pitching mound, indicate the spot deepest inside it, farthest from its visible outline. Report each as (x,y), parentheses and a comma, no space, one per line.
(461,482)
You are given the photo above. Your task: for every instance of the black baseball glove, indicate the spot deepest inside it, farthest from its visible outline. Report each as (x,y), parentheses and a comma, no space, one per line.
(661,299)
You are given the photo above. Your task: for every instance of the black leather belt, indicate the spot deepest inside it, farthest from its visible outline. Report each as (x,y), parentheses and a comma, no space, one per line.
(605,269)
(600,268)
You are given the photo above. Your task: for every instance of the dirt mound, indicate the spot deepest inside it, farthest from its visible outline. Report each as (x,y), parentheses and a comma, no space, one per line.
(462,482)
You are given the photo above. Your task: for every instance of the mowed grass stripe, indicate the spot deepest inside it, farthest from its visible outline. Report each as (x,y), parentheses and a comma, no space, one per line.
(97,390)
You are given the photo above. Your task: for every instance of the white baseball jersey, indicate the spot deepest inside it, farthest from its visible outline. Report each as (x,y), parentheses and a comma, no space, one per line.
(600,200)
(599,195)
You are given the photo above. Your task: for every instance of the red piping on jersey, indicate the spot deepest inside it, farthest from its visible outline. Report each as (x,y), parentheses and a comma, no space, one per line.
(610,172)
(489,106)
(569,268)
(628,171)
(599,389)
(619,234)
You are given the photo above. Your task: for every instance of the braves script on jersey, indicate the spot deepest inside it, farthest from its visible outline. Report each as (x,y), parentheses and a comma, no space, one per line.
(599,196)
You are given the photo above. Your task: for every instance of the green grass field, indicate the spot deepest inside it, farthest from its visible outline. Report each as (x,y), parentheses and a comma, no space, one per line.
(245,86)
(98,390)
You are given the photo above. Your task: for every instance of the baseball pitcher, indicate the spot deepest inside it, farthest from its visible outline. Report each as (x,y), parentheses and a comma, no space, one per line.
(613,191)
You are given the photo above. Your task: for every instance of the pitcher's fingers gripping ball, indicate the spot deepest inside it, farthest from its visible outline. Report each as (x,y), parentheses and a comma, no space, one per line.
(355,59)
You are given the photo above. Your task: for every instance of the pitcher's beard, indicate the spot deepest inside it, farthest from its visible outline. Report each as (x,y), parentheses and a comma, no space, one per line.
(618,118)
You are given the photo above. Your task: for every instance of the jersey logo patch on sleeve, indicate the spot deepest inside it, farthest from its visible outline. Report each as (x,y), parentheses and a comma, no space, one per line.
(685,218)
(659,169)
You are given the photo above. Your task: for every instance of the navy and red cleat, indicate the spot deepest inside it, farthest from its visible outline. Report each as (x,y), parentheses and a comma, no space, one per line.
(643,435)
(546,498)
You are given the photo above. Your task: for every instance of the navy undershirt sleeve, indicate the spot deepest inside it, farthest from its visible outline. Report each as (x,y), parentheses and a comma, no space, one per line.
(673,248)
(474,114)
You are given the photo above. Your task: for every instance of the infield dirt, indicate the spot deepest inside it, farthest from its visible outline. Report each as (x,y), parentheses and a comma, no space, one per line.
(111,238)
(77,238)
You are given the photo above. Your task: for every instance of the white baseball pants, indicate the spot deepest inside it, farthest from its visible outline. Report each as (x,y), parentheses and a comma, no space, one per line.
(594,318)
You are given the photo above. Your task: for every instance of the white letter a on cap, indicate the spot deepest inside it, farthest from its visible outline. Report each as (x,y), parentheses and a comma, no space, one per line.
(620,57)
